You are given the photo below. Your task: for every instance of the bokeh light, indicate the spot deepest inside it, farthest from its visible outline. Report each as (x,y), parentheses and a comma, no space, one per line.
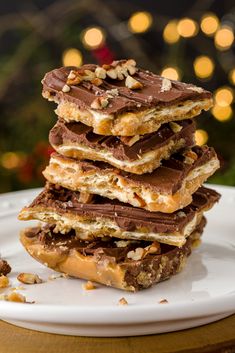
(93,37)
(201,137)
(224,38)
(170,33)
(172,73)
(203,66)
(224,96)
(232,76)
(222,113)
(10,160)
(72,57)
(209,24)
(140,22)
(187,27)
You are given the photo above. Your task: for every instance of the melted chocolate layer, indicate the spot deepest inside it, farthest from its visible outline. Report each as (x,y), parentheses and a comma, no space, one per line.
(129,218)
(149,96)
(65,133)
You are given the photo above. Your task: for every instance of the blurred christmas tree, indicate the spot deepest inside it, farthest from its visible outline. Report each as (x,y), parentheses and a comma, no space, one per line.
(192,41)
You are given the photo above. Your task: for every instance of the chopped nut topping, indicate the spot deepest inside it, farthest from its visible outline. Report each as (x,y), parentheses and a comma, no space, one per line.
(136,254)
(196,89)
(181,214)
(97,81)
(73,78)
(154,248)
(99,103)
(166,85)
(163,301)
(89,285)
(29,278)
(65,89)
(112,92)
(133,83)
(123,301)
(85,197)
(4,281)
(175,127)
(100,73)
(112,73)
(122,243)
(190,157)
(5,268)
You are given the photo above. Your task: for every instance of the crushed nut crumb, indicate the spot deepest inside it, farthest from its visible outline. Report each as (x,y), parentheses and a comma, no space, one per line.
(123,301)
(29,278)
(99,103)
(85,197)
(175,127)
(163,301)
(132,83)
(122,243)
(4,281)
(136,254)
(65,88)
(5,268)
(13,297)
(166,85)
(89,285)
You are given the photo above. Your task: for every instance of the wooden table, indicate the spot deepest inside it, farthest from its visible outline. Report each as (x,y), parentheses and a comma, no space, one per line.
(218,337)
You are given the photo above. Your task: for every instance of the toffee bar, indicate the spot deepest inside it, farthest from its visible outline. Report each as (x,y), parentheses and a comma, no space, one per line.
(126,265)
(137,154)
(105,218)
(121,99)
(167,189)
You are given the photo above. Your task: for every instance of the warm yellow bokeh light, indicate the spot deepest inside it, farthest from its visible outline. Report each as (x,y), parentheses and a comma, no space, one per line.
(72,57)
(203,66)
(222,113)
(209,24)
(171,72)
(170,33)
(232,76)
(201,137)
(93,37)
(140,22)
(187,27)
(224,96)
(224,38)
(10,160)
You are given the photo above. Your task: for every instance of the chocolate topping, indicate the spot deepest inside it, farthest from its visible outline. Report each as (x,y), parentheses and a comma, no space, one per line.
(167,178)
(150,95)
(63,133)
(129,218)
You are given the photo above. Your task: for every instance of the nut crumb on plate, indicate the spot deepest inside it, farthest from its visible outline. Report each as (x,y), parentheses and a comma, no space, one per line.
(4,281)
(89,285)
(29,278)
(122,301)
(163,301)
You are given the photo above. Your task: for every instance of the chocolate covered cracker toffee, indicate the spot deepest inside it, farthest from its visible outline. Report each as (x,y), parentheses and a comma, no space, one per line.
(123,204)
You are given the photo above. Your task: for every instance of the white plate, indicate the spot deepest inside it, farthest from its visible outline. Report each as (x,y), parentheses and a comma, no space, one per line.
(204,292)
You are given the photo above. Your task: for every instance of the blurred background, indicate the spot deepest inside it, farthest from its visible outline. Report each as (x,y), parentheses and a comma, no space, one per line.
(191,41)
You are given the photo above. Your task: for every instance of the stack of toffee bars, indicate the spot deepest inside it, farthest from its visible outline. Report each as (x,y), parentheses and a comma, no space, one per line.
(124,203)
